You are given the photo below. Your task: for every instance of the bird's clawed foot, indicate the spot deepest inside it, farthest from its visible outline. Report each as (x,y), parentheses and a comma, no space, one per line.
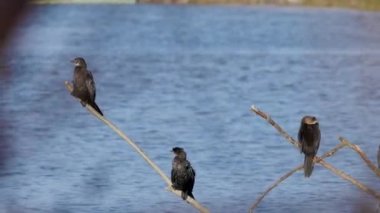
(184,195)
(174,186)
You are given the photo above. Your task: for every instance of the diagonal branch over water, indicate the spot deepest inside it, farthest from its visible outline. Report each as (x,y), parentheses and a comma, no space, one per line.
(274,185)
(360,152)
(191,201)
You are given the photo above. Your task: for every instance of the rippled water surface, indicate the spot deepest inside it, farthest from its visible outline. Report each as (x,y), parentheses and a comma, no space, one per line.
(186,76)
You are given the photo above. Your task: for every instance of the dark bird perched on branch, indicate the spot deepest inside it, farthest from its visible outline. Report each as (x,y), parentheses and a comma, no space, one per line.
(84,84)
(182,175)
(309,136)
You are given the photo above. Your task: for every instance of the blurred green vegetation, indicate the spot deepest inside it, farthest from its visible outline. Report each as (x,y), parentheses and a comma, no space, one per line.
(359,4)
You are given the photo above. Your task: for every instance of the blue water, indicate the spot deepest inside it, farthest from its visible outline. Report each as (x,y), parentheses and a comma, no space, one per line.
(187,76)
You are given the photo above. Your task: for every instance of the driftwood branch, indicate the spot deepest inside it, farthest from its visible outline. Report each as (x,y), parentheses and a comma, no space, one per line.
(191,201)
(316,159)
(290,173)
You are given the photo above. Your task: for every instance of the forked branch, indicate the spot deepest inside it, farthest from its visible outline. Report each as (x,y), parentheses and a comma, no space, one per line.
(319,160)
(290,173)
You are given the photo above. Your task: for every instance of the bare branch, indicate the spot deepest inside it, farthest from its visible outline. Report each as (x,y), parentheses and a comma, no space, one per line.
(275,184)
(276,126)
(191,201)
(357,149)
(284,177)
(328,166)
(333,151)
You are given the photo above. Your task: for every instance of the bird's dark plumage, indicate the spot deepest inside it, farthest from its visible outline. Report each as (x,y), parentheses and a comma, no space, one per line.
(309,136)
(183,174)
(84,84)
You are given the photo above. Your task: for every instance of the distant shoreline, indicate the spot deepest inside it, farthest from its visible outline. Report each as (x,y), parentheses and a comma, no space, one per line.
(370,5)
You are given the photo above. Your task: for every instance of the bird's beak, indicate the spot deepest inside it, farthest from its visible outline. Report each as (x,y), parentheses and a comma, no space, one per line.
(72,61)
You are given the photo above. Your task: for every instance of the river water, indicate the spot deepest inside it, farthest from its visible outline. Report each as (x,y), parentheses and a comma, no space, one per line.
(187,76)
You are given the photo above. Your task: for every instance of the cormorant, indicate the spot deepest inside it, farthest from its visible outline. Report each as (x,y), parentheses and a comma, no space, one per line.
(309,136)
(84,84)
(182,175)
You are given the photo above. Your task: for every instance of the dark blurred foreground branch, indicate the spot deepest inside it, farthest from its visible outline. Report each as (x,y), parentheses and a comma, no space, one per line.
(191,201)
(317,159)
(10,13)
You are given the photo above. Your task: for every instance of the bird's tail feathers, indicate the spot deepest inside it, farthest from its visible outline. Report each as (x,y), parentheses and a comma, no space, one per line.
(308,165)
(95,106)
(191,195)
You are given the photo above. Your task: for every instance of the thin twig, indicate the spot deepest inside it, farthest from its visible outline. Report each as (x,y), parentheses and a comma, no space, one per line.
(357,149)
(328,166)
(284,177)
(332,151)
(191,201)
